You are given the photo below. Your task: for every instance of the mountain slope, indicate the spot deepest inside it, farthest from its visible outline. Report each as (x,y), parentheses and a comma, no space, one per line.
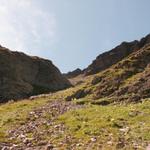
(107,110)
(22,76)
(114,82)
(47,123)
(107,59)
(127,80)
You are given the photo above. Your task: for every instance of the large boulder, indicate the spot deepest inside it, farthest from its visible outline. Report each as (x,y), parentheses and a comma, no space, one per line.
(22,76)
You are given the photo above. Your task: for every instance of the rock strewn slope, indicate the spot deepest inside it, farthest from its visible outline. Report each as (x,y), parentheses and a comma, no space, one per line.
(22,76)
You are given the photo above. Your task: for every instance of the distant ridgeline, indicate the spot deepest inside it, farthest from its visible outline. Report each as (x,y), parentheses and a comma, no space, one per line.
(107,59)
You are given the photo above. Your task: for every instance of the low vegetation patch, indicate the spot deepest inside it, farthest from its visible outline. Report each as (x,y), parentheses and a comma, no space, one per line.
(14,114)
(112,126)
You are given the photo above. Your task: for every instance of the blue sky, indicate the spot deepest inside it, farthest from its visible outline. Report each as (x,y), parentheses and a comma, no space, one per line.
(71,33)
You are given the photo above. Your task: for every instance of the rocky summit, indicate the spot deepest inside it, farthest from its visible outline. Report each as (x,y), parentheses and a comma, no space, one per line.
(22,76)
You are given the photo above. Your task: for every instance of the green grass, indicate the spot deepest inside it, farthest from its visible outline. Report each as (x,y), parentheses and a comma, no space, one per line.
(13,114)
(106,122)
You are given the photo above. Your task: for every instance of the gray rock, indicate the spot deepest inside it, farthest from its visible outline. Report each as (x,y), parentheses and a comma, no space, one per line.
(49,147)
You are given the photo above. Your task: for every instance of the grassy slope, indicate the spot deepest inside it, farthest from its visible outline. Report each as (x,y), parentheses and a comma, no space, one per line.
(112,126)
(14,114)
(128,125)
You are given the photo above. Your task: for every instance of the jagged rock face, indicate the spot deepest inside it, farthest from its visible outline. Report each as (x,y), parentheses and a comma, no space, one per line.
(74,73)
(107,59)
(22,76)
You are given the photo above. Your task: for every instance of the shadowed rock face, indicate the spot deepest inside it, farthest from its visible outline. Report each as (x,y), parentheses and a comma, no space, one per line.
(107,59)
(22,76)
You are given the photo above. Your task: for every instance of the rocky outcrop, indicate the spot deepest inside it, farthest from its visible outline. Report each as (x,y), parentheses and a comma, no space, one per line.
(74,73)
(107,59)
(22,76)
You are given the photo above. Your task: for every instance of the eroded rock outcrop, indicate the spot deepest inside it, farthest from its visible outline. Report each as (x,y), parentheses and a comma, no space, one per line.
(22,76)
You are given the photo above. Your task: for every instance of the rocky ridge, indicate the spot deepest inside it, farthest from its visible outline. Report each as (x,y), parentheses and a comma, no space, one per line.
(109,58)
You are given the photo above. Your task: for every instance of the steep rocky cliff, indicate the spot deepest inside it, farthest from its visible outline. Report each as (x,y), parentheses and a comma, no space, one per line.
(22,76)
